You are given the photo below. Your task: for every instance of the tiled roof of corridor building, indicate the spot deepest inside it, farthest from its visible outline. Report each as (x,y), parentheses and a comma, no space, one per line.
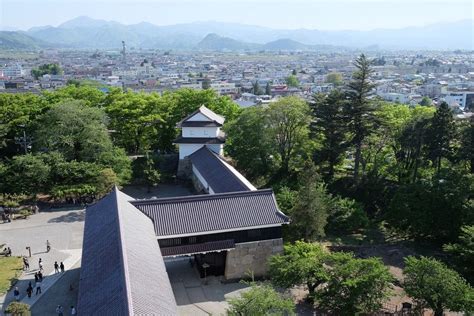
(212,213)
(122,270)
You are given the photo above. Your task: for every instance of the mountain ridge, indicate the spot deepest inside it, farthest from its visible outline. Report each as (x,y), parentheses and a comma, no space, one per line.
(85,32)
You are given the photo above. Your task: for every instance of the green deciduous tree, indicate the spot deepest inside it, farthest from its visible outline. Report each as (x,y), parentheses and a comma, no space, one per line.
(18,309)
(292,81)
(433,285)
(151,173)
(288,124)
(426,101)
(51,69)
(27,174)
(76,131)
(335,78)
(260,300)
(355,286)
(301,263)
(346,216)
(434,209)
(248,143)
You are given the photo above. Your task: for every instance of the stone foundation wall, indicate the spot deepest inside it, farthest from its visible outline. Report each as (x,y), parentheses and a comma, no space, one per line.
(184,168)
(251,257)
(198,187)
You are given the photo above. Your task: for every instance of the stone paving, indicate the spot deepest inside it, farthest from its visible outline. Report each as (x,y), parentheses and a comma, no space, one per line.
(193,297)
(63,229)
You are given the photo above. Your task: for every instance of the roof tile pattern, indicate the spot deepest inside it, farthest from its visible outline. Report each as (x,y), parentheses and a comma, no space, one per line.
(217,172)
(212,213)
(122,270)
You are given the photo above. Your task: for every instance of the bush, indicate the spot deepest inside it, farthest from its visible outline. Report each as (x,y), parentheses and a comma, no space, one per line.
(18,309)
(346,216)
(261,300)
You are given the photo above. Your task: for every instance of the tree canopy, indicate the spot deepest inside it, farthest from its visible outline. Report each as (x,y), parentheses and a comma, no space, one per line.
(433,285)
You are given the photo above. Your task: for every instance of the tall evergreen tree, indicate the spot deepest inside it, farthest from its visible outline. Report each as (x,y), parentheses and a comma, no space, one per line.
(440,135)
(466,151)
(330,122)
(268,89)
(360,109)
(256,88)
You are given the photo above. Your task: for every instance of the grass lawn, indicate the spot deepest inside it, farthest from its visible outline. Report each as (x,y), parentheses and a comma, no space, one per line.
(10,270)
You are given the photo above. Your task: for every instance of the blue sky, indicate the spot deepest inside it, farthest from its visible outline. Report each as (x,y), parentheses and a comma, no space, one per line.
(289,14)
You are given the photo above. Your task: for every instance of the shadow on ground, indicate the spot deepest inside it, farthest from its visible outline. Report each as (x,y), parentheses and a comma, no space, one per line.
(63,292)
(163,190)
(77,216)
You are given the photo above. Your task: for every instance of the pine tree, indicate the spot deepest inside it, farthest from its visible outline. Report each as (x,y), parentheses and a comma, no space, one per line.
(360,109)
(330,122)
(440,134)
(268,89)
(256,88)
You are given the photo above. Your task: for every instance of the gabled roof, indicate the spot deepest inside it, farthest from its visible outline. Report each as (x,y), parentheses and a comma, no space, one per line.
(212,213)
(122,270)
(207,113)
(219,175)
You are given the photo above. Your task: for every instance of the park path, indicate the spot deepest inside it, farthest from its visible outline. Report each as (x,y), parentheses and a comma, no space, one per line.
(70,258)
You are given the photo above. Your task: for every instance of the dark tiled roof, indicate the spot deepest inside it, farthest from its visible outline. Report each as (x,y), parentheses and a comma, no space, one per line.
(198,248)
(217,173)
(192,140)
(122,270)
(200,124)
(207,213)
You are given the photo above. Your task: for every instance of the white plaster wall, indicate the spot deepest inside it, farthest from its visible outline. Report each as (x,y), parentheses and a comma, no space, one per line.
(204,132)
(188,149)
(202,180)
(198,117)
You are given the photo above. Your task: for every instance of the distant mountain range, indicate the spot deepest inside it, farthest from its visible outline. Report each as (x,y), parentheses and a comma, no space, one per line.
(85,32)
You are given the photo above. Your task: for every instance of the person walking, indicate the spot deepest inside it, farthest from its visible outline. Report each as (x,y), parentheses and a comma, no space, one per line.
(56,267)
(40,276)
(36,277)
(26,264)
(62,266)
(38,287)
(40,264)
(73,311)
(59,310)
(48,246)
(29,290)
(16,294)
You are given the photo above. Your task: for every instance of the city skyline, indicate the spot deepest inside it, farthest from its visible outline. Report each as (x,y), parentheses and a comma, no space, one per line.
(323,15)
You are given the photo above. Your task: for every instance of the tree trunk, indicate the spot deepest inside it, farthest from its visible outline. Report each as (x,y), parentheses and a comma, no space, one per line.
(357,157)
(439,311)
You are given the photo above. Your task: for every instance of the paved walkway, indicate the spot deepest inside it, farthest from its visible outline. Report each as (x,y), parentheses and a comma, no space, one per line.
(62,228)
(195,298)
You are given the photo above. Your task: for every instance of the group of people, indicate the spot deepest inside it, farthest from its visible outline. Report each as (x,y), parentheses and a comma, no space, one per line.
(58,266)
(60,310)
(38,277)
(7,252)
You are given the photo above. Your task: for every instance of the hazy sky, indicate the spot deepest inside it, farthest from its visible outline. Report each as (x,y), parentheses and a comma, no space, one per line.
(313,14)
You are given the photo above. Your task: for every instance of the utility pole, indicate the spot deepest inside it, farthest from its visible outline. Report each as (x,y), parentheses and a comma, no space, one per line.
(24,140)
